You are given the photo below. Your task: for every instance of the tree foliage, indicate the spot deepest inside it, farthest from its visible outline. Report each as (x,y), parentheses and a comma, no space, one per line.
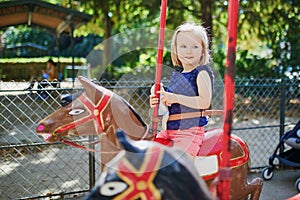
(267,32)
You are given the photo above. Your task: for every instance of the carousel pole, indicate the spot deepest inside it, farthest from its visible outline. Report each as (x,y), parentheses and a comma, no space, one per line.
(160,47)
(225,171)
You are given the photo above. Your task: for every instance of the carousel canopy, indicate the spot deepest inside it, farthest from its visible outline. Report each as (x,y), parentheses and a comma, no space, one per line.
(39,13)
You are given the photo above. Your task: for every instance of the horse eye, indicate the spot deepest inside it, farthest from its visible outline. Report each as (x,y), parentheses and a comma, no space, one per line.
(76,112)
(112,188)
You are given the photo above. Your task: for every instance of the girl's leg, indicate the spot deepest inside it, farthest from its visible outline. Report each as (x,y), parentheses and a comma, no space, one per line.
(190,140)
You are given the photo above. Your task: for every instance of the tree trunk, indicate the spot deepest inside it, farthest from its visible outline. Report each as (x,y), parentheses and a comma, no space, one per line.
(106,56)
(206,16)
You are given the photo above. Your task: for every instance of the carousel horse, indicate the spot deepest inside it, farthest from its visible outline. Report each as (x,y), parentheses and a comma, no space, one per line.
(98,111)
(149,170)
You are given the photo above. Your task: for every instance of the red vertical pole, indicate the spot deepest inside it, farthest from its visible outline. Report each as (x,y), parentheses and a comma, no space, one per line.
(225,171)
(160,47)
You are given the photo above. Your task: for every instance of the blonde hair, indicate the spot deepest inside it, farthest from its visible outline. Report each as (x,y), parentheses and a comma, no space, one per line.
(197,29)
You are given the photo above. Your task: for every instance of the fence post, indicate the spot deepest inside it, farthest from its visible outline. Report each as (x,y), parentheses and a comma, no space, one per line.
(91,164)
(282,108)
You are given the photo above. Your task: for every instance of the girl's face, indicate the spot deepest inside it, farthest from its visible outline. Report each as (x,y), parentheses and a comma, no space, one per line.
(189,49)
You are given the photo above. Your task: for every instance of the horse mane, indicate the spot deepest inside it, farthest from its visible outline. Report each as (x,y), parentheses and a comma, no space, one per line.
(68,98)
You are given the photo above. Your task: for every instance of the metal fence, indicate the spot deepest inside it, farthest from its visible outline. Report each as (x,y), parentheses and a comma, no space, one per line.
(30,168)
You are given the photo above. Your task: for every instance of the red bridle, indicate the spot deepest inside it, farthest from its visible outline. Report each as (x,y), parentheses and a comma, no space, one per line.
(95,115)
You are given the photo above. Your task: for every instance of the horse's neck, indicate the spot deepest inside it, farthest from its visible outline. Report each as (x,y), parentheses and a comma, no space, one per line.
(110,132)
(132,127)
(125,118)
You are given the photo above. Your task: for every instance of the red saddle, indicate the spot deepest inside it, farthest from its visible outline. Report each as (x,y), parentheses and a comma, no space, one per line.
(212,142)
(211,148)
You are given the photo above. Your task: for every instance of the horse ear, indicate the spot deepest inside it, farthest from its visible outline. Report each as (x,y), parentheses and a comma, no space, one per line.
(92,90)
(125,142)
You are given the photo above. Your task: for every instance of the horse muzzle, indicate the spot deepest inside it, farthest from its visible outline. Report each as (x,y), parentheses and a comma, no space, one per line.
(48,137)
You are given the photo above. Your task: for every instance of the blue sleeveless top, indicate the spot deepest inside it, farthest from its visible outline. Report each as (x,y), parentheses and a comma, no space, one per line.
(185,83)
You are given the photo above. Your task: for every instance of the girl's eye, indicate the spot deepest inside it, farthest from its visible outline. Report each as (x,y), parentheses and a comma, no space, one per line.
(112,188)
(195,47)
(182,46)
(76,111)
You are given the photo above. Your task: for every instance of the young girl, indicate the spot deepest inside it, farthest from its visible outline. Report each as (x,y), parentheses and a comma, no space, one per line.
(190,88)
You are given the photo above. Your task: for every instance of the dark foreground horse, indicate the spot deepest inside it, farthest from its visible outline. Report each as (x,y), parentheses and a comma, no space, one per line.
(147,170)
(98,111)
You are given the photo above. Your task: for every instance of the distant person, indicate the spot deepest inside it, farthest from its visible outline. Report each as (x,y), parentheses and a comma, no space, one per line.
(49,76)
(51,70)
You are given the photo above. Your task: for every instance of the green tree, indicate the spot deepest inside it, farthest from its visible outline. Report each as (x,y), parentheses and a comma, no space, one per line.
(267,31)
(23,34)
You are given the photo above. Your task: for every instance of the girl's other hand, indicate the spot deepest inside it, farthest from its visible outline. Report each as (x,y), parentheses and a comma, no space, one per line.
(153,101)
(168,98)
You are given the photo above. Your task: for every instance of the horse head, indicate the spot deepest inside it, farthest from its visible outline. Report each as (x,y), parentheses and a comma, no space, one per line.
(148,170)
(96,111)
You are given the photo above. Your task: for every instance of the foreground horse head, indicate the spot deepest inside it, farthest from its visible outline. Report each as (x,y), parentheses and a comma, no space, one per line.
(148,170)
(96,111)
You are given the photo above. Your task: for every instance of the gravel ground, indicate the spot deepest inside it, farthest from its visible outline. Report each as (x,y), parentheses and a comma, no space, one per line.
(281,186)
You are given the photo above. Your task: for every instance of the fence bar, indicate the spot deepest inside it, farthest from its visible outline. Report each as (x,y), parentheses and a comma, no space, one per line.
(92,178)
(282,109)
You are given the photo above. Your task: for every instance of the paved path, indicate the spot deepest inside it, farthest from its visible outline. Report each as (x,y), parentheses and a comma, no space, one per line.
(281,186)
